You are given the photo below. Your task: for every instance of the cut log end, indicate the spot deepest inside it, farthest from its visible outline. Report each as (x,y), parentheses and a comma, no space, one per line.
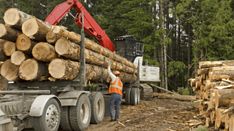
(9,70)
(57,68)
(23,42)
(17,57)
(11,16)
(28,69)
(43,52)
(30,27)
(9,48)
(62,46)
(51,37)
(3,30)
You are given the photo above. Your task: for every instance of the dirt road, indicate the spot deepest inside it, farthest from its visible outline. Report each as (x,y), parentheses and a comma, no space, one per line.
(152,115)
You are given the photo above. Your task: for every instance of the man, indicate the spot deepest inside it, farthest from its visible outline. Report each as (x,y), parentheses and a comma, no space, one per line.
(115,90)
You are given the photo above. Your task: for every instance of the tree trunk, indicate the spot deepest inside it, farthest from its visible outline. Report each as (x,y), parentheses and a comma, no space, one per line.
(33,70)
(9,71)
(24,43)
(68,70)
(9,48)
(15,18)
(72,51)
(44,52)
(35,29)
(17,58)
(8,33)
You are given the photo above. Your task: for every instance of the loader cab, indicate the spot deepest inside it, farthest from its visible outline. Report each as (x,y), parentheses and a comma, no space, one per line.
(127,46)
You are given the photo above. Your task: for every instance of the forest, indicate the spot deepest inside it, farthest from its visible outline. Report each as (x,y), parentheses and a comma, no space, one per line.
(179,33)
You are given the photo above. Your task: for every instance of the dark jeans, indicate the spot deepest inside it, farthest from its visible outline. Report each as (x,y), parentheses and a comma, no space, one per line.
(115,102)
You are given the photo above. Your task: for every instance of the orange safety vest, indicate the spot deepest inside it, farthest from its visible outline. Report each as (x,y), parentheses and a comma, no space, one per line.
(116,86)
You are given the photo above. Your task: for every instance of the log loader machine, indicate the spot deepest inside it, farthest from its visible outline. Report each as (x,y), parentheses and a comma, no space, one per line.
(48,106)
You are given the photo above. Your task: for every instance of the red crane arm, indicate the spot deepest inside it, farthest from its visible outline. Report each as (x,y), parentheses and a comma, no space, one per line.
(90,25)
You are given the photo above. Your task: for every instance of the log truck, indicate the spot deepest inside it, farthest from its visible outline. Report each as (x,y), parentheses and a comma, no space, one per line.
(49,106)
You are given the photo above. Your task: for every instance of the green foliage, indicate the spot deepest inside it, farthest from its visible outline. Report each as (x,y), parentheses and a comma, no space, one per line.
(184,91)
(200,128)
(176,68)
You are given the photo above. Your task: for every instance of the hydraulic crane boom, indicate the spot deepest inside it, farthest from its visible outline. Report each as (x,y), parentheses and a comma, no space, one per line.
(90,25)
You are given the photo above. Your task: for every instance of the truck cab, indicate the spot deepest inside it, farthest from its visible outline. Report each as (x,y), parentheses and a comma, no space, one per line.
(133,50)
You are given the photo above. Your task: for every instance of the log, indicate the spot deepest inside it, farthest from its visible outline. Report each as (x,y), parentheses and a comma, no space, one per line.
(175,97)
(231,123)
(71,50)
(8,33)
(17,58)
(2,54)
(44,52)
(9,71)
(91,45)
(63,69)
(202,71)
(35,29)
(68,70)
(9,48)
(220,118)
(3,81)
(213,77)
(15,17)
(208,64)
(51,37)
(31,69)
(222,71)
(224,97)
(24,43)
(67,49)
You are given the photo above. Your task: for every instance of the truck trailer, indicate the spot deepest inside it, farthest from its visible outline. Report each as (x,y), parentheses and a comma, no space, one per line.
(72,104)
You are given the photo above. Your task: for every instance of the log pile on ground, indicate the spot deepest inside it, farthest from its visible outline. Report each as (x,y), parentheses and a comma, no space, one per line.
(214,88)
(34,50)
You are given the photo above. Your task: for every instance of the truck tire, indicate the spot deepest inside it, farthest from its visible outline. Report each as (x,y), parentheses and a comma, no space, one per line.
(65,122)
(97,107)
(50,119)
(134,96)
(128,96)
(138,95)
(80,114)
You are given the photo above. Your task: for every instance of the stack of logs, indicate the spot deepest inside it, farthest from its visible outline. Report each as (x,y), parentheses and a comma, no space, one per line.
(31,49)
(214,88)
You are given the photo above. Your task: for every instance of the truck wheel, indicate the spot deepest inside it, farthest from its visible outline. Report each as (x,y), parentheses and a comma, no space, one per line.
(128,96)
(50,119)
(65,122)
(134,96)
(98,107)
(80,114)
